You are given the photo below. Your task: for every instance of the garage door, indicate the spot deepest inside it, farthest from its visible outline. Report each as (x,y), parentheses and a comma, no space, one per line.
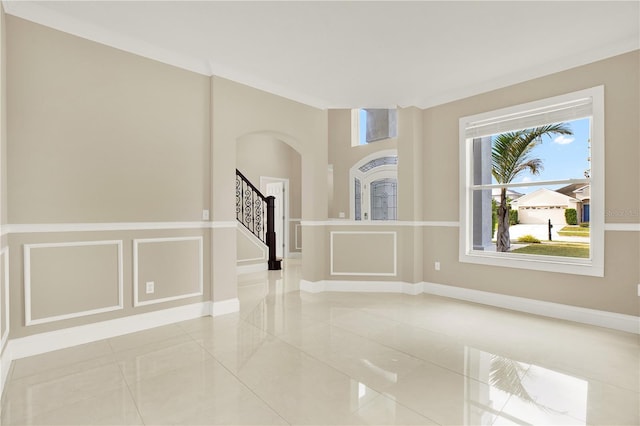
(542,215)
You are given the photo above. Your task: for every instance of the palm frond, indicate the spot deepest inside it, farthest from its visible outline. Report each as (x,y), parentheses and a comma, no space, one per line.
(511,152)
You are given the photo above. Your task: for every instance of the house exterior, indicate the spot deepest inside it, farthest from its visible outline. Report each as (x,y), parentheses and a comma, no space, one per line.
(543,205)
(581,192)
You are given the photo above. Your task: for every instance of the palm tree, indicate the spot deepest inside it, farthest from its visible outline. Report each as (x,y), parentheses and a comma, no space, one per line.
(510,156)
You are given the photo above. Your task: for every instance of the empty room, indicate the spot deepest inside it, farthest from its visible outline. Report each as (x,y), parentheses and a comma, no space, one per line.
(320,213)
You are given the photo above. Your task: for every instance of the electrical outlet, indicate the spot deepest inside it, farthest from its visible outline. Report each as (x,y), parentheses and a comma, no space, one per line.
(150,287)
(638,289)
(205,214)
(437,266)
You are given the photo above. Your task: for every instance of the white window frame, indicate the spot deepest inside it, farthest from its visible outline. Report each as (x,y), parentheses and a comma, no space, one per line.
(380,172)
(594,266)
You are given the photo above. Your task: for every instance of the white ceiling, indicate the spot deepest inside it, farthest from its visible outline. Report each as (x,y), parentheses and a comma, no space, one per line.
(356,54)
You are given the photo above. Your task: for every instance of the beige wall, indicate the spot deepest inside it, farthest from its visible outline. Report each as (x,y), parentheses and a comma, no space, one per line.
(95,134)
(4,296)
(428,170)
(343,156)
(239,111)
(55,275)
(617,291)
(263,155)
(98,135)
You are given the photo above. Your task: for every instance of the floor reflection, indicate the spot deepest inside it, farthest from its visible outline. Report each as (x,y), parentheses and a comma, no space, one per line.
(521,393)
(290,357)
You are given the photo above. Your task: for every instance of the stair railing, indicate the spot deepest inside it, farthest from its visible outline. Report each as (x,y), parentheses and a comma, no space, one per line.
(256,213)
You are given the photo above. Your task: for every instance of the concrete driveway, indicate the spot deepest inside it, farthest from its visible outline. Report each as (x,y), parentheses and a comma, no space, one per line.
(541,232)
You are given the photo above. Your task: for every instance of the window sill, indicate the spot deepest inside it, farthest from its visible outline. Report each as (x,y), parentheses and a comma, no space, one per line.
(564,265)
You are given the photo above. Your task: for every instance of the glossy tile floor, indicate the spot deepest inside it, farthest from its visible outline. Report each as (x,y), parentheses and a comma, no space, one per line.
(337,358)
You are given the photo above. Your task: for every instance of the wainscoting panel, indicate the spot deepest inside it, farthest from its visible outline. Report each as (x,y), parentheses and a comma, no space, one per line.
(364,253)
(71,279)
(173,265)
(4,297)
(296,233)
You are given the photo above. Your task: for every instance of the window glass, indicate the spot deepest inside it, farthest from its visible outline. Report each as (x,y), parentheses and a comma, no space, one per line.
(528,191)
(384,199)
(372,125)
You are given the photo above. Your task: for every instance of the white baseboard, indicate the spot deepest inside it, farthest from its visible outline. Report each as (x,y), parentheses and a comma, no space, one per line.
(225,307)
(628,323)
(249,269)
(294,255)
(616,321)
(73,336)
(59,339)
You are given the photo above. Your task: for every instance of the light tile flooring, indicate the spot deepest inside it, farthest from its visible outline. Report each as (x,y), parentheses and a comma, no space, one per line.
(290,357)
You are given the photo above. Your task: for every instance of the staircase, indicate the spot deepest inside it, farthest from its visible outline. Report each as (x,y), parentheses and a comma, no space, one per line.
(256,213)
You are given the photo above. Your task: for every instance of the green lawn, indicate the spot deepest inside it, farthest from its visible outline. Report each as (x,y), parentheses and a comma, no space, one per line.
(574,231)
(556,249)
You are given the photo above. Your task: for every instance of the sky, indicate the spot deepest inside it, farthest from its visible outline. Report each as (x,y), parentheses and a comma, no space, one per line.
(563,156)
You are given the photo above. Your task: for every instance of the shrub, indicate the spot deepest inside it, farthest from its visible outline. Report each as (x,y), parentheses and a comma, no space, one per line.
(494,216)
(513,217)
(571,216)
(528,239)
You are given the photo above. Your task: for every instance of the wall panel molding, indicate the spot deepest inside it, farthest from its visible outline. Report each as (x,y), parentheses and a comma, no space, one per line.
(136,248)
(4,287)
(364,273)
(28,282)
(297,234)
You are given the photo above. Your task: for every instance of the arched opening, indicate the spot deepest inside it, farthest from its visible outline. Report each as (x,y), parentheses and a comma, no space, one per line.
(373,184)
(273,164)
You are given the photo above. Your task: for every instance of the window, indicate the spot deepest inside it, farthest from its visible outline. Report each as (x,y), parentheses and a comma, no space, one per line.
(374,187)
(372,125)
(530,166)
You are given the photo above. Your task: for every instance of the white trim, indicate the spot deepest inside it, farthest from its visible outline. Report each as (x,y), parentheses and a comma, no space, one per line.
(5,367)
(398,223)
(72,336)
(97,33)
(628,323)
(612,320)
(364,177)
(256,242)
(594,266)
(294,255)
(224,307)
(222,224)
(368,274)
(30,228)
(27,281)
(5,298)
(296,235)
(249,269)
(439,224)
(200,292)
(632,227)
